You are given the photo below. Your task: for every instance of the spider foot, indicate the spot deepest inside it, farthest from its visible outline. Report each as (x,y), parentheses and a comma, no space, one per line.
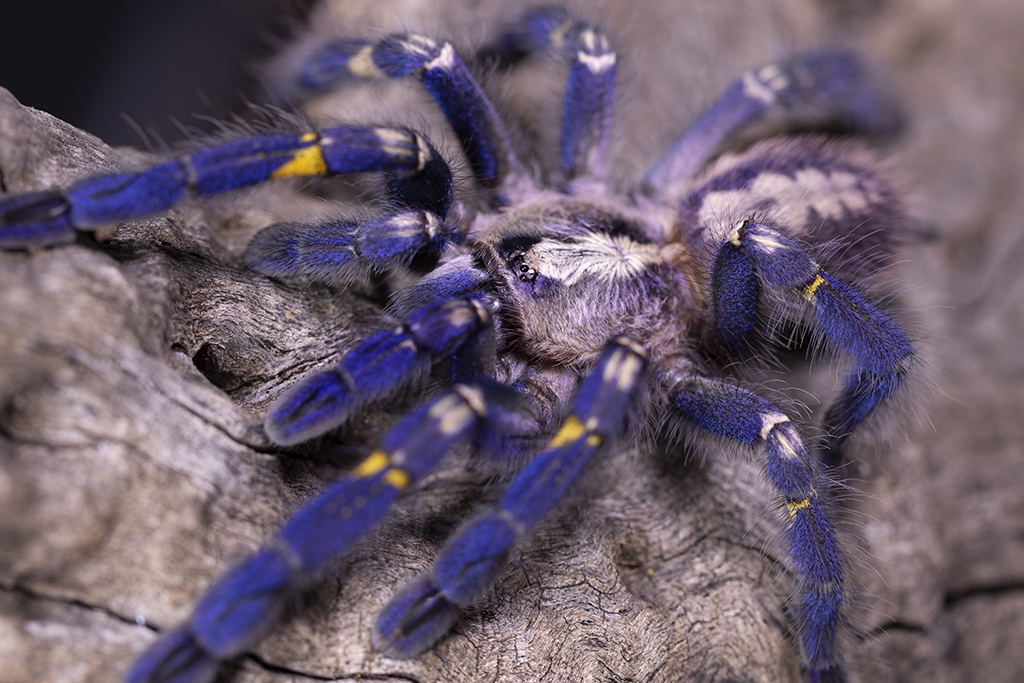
(175,658)
(345,249)
(377,368)
(34,219)
(417,616)
(470,563)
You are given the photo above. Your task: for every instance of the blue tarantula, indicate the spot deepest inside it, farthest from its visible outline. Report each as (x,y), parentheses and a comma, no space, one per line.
(563,318)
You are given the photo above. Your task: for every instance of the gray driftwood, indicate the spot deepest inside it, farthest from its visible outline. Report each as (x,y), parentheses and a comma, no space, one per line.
(134,374)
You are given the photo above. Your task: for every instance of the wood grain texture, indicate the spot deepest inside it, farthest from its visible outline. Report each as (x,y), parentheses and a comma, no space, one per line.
(134,374)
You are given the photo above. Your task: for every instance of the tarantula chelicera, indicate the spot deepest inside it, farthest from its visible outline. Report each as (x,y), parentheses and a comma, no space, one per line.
(563,318)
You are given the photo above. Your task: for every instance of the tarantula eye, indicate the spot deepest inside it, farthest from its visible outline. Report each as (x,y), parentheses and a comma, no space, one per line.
(516,260)
(525,272)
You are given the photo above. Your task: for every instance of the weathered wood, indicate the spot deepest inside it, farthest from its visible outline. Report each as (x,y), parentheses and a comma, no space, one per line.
(134,375)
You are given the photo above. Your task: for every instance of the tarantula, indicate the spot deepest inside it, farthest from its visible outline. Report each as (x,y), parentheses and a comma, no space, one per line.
(563,318)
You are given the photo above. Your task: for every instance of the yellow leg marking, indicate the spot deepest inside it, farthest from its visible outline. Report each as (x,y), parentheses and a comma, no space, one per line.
(377,462)
(756,90)
(306,161)
(396,152)
(445,60)
(768,422)
(473,397)
(457,419)
(596,64)
(631,366)
(788,450)
(589,39)
(796,507)
(423,153)
(767,243)
(811,288)
(623,368)
(391,137)
(452,414)
(392,143)
(415,45)
(734,236)
(558,35)
(572,430)
(397,477)
(362,64)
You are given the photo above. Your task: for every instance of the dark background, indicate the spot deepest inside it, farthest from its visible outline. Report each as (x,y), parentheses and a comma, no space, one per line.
(151,61)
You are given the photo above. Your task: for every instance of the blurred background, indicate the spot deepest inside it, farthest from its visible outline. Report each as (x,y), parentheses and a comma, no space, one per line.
(149,61)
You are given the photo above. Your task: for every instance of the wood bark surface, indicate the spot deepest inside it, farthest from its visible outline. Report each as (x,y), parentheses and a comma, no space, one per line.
(134,374)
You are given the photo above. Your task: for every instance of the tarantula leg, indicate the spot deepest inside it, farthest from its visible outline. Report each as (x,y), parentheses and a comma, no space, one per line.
(96,201)
(425,608)
(253,598)
(757,252)
(590,88)
(457,277)
(734,413)
(447,79)
(379,367)
(821,90)
(344,249)
(735,294)
(35,219)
